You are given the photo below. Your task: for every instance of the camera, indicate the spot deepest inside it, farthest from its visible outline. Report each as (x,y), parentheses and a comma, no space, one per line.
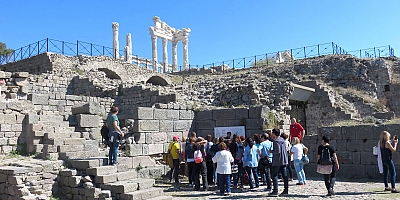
(395,137)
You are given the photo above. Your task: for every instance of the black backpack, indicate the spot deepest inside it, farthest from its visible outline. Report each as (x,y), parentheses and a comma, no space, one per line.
(326,158)
(104,134)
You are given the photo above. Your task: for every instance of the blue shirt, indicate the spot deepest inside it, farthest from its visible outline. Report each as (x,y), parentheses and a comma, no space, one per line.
(264,148)
(251,156)
(110,121)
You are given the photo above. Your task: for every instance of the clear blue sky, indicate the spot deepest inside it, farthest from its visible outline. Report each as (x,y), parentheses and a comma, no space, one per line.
(221,29)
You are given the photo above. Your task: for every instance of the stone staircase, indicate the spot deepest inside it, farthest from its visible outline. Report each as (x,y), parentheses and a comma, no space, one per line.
(52,138)
(92,178)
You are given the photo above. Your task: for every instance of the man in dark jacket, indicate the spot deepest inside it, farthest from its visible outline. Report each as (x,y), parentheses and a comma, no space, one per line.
(279,162)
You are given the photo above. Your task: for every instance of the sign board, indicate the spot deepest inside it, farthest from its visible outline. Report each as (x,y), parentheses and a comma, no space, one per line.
(221,131)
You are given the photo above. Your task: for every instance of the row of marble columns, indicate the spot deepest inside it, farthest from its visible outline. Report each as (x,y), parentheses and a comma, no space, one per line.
(165,54)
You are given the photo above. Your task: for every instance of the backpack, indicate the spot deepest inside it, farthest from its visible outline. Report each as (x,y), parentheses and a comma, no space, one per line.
(104,134)
(198,157)
(325,156)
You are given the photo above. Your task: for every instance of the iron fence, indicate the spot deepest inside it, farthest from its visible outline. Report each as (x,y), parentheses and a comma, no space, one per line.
(84,48)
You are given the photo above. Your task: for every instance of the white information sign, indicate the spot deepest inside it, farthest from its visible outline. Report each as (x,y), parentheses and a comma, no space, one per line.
(221,131)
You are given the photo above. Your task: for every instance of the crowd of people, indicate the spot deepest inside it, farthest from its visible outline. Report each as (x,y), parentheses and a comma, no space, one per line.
(241,161)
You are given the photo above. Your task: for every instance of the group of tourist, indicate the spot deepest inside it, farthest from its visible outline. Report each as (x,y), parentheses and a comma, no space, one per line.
(270,155)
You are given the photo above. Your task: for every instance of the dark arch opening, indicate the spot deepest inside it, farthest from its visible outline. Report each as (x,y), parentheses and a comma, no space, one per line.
(110,74)
(156,80)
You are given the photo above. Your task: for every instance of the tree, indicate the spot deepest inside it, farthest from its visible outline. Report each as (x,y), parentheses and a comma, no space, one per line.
(4,51)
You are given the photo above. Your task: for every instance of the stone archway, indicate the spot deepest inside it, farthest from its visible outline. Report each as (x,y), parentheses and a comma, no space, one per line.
(157,80)
(110,74)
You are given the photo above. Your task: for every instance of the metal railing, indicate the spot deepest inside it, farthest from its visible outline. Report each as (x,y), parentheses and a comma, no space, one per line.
(84,48)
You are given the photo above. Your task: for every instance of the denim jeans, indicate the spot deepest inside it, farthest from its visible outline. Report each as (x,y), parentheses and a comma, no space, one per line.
(252,171)
(224,180)
(388,168)
(238,175)
(275,171)
(215,173)
(113,153)
(268,169)
(299,167)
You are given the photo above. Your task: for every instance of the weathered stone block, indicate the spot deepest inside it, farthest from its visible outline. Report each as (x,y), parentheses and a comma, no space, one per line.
(74,181)
(143,161)
(157,137)
(223,114)
(143,113)
(349,132)
(86,108)
(355,145)
(204,115)
(335,133)
(106,178)
(160,114)
(229,122)
(140,138)
(170,136)
(186,114)
(255,123)
(134,149)
(241,113)
(102,170)
(86,121)
(258,112)
(166,125)
(31,119)
(5,127)
(147,125)
(183,125)
(39,99)
(207,124)
(128,175)
(10,119)
(155,149)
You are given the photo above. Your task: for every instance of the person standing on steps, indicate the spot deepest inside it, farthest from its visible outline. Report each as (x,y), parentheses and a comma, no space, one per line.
(173,149)
(329,178)
(385,160)
(115,134)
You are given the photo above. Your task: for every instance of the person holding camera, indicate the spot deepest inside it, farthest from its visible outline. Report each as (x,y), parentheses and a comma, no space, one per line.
(385,160)
(115,135)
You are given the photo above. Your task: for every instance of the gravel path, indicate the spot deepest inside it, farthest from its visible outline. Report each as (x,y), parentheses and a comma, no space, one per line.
(315,189)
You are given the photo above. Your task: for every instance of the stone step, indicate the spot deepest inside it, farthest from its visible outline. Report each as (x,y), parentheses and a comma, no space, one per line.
(106,170)
(121,187)
(78,154)
(163,197)
(142,194)
(83,164)
(119,176)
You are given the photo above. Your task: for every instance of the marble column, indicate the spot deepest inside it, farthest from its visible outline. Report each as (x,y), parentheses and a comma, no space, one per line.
(115,27)
(154,51)
(174,56)
(185,54)
(128,57)
(165,54)
(129,44)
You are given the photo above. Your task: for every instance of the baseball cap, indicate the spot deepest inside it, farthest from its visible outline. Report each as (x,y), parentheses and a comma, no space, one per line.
(176,137)
(242,137)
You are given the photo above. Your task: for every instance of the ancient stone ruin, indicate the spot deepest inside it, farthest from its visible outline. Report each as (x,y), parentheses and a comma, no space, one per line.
(53,107)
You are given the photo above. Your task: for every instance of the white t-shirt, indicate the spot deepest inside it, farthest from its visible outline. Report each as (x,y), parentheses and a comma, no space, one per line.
(297,151)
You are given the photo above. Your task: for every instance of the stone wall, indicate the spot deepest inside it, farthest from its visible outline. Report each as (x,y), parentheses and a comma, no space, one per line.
(353,145)
(155,127)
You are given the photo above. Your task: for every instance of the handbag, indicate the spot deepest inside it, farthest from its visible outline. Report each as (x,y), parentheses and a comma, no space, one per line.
(305,159)
(234,168)
(245,178)
(324,169)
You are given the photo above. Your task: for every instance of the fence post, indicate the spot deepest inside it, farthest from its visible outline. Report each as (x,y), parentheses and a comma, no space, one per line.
(333,48)
(62,48)
(318,50)
(304,50)
(266,58)
(77,48)
(244,63)
(374,52)
(29,50)
(47,44)
(255,61)
(38,48)
(360,54)
(21,53)
(223,67)
(91,49)
(233,63)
